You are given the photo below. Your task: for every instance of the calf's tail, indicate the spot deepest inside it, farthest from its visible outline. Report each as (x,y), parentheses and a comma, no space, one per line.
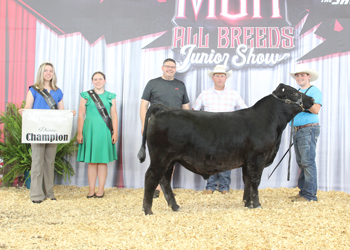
(151,111)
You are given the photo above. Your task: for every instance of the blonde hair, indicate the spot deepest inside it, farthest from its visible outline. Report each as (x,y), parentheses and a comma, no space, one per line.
(39,82)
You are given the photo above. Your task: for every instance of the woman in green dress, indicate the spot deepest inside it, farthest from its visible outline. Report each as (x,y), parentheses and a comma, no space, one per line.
(97,140)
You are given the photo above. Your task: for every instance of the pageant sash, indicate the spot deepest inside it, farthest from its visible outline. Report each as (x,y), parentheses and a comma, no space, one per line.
(47,97)
(46,126)
(101,109)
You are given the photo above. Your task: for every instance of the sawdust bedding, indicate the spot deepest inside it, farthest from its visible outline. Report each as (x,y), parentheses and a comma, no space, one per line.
(204,222)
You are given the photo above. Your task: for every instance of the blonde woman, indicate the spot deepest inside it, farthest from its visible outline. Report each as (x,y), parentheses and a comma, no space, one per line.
(43,155)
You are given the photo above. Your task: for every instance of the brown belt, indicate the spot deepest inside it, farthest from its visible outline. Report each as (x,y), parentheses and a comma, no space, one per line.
(304,126)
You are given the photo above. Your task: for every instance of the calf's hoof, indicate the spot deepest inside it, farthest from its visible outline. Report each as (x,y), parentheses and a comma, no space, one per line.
(175,207)
(257,205)
(147,211)
(248,204)
(251,206)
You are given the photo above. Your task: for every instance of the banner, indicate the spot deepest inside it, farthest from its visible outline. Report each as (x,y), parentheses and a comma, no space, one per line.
(260,41)
(46,126)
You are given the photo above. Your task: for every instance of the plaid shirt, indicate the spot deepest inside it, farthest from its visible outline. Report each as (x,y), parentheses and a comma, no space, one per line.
(219,101)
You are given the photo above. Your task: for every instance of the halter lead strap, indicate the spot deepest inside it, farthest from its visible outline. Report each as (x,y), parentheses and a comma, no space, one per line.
(288,101)
(300,104)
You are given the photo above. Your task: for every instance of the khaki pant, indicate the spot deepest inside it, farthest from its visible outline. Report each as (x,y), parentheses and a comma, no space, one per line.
(42,171)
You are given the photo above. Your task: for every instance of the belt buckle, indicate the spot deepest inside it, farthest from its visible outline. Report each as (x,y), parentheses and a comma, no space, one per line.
(295,129)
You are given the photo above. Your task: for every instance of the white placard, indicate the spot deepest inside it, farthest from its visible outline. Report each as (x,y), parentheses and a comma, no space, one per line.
(46,126)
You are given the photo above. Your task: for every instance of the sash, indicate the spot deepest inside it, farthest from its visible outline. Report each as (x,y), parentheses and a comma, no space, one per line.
(101,109)
(47,97)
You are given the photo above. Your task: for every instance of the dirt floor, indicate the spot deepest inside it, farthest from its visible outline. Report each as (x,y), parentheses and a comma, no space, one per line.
(214,221)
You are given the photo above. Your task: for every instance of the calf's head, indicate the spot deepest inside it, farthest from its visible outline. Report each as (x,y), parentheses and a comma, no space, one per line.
(292,96)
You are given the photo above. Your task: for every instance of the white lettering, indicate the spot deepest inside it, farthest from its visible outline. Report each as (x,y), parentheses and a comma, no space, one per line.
(191,58)
(242,59)
(197,4)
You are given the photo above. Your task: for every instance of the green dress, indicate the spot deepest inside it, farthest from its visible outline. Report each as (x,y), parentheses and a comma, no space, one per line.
(97,144)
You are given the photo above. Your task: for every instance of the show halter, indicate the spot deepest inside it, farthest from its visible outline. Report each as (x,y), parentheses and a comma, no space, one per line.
(300,104)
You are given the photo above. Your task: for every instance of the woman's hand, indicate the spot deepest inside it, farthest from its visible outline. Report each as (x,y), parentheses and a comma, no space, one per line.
(74,113)
(80,138)
(114,138)
(20,111)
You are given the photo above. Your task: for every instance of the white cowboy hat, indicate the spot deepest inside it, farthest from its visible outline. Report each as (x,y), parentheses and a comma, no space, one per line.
(302,68)
(219,69)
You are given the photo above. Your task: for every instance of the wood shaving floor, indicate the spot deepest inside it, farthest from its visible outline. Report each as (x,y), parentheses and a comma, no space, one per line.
(214,221)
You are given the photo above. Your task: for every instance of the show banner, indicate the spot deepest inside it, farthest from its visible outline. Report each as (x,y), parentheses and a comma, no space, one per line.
(46,126)
(204,33)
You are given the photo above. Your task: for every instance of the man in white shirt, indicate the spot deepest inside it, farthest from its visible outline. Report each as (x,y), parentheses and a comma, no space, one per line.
(219,99)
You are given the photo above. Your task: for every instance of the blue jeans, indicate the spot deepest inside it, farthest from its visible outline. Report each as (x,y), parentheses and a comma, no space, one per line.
(224,179)
(305,140)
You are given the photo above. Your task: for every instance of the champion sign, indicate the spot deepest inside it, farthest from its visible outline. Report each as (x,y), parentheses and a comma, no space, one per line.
(46,126)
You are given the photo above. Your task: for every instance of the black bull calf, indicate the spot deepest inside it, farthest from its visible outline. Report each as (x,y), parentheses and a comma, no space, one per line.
(208,143)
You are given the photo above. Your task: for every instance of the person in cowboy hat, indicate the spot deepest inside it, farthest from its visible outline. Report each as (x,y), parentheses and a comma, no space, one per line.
(306,131)
(219,99)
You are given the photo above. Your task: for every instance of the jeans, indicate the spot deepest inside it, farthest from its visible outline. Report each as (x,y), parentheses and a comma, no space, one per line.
(224,179)
(305,140)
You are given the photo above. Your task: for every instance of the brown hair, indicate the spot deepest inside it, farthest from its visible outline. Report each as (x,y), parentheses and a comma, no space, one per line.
(98,72)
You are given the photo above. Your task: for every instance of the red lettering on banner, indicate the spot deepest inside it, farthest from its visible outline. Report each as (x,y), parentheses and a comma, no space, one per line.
(189,35)
(235,37)
(276,38)
(189,32)
(258,37)
(287,43)
(222,37)
(253,37)
(247,36)
(200,45)
(179,36)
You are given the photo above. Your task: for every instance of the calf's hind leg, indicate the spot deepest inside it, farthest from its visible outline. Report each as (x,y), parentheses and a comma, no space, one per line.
(166,187)
(152,179)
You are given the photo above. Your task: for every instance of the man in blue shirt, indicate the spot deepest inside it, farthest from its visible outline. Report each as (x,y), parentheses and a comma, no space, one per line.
(306,131)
